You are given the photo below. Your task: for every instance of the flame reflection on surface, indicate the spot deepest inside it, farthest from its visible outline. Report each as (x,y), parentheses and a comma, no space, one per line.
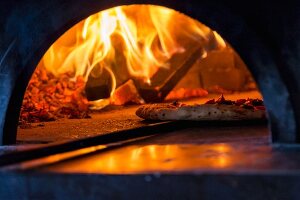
(135,159)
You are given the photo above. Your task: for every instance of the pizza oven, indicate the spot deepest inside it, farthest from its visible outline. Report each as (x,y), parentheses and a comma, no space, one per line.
(268,54)
(74,73)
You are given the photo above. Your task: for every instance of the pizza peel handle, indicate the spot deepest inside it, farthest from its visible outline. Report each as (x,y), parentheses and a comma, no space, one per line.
(153,93)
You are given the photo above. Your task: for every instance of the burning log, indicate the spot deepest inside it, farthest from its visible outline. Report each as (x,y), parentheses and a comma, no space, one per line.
(99,84)
(162,82)
(126,94)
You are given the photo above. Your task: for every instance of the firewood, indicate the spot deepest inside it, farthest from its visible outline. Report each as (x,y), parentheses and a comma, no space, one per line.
(99,84)
(126,94)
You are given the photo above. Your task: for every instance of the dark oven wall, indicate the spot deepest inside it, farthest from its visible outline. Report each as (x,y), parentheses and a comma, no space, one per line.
(265,33)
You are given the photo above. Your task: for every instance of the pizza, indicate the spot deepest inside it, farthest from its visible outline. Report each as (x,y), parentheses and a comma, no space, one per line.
(220,109)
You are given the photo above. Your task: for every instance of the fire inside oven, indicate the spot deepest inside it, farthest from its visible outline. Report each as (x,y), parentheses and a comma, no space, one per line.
(107,65)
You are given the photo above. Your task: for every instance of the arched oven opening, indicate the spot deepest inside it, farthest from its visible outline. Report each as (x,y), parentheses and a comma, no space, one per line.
(35,40)
(104,67)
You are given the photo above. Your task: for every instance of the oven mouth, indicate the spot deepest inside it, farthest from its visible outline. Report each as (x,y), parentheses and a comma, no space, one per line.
(117,59)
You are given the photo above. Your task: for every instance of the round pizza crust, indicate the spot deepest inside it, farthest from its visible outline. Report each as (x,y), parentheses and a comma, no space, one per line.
(205,112)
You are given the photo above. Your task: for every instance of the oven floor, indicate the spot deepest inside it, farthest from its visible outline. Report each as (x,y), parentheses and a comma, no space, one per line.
(114,118)
(104,122)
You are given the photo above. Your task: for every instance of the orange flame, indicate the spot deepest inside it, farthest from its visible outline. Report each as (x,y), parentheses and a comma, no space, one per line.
(145,37)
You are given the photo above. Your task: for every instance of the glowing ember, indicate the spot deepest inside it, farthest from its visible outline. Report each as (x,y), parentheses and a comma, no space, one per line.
(48,98)
(183,93)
